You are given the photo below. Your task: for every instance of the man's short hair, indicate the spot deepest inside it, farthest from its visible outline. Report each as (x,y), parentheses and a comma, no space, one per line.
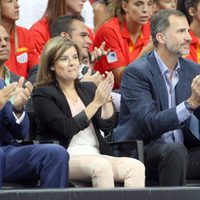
(64,24)
(160,22)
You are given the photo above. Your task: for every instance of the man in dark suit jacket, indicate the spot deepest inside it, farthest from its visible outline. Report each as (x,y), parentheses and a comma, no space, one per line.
(18,163)
(158,104)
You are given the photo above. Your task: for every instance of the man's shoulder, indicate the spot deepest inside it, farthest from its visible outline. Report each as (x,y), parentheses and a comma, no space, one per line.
(189,65)
(187,61)
(142,64)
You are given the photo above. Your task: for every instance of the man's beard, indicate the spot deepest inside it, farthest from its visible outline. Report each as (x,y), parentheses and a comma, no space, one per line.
(177,50)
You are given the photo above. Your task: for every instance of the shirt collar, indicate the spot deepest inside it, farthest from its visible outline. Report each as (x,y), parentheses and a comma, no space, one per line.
(163,68)
(125,31)
(7,75)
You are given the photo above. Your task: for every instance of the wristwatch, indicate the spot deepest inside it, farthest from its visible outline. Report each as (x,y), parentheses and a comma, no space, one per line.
(188,106)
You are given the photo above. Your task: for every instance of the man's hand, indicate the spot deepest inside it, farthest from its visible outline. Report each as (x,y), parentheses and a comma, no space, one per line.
(194,100)
(97,53)
(6,93)
(21,95)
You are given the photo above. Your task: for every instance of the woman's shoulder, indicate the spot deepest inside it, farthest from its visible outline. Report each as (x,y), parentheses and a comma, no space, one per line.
(41,27)
(23,35)
(43,22)
(110,24)
(52,90)
(45,90)
(107,31)
(22,29)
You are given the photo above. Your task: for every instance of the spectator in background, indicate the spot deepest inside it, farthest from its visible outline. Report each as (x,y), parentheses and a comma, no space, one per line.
(33,10)
(126,34)
(72,26)
(40,31)
(22,53)
(159,5)
(191,8)
(100,7)
(164,4)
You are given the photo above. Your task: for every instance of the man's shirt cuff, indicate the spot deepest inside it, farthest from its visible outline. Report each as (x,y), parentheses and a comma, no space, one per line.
(182,112)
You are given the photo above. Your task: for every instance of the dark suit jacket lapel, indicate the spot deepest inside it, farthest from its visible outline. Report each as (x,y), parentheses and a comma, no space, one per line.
(159,82)
(182,87)
(64,103)
(83,93)
(60,97)
(14,77)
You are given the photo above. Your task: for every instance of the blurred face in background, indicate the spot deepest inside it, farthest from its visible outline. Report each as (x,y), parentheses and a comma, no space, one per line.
(138,11)
(74,6)
(9,10)
(164,4)
(4,45)
(195,12)
(80,35)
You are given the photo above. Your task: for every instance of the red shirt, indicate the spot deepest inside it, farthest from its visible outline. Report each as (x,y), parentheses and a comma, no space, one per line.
(21,60)
(40,34)
(119,41)
(194,49)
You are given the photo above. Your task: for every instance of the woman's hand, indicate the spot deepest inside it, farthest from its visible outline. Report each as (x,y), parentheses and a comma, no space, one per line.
(97,53)
(104,89)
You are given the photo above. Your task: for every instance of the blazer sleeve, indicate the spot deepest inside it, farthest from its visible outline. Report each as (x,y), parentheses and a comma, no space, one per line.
(105,125)
(10,129)
(51,114)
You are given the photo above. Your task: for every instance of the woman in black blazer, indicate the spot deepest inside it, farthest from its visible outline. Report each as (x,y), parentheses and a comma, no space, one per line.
(74,112)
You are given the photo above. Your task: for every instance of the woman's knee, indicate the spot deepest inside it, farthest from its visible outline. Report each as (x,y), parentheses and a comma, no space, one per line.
(101,166)
(134,166)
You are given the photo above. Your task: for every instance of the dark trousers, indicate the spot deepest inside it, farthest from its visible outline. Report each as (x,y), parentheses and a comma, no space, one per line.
(49,162)
(170,164)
